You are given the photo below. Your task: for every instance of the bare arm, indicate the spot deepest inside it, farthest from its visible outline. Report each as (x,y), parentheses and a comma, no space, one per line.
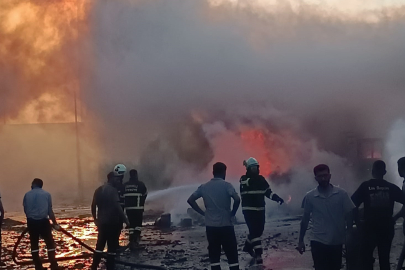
(52,217)
(236,203)
(303,230)
(304,226)
(400,214)
(94,208)
(400,199)
(192,202)
(356,217)
(50,212)
(349,219)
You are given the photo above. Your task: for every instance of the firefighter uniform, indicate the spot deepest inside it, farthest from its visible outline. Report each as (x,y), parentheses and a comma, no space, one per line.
(135,193)
(253,189)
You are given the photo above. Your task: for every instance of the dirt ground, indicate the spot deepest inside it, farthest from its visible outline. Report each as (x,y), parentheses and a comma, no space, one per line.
(174,248)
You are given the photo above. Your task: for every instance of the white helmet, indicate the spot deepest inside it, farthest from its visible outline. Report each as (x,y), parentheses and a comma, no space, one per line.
(120,169)
(250,162)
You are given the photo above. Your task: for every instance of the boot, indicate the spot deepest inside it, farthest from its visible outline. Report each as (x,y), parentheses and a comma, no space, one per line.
(52,260)
(110,262)
(37,261)
(248,248)
(96,261)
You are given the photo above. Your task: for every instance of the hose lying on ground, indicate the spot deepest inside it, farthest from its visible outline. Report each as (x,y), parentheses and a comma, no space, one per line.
(82,256)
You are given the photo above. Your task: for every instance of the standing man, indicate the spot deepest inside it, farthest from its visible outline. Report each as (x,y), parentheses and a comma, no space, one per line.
(1,223)
(217,196)
(135,195)
(401,172)
(108,217)
(253,189)
(378,197)
(330,207)
(119,173)
(38,209)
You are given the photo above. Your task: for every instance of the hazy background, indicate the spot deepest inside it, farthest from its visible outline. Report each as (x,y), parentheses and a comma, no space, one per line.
(170,87)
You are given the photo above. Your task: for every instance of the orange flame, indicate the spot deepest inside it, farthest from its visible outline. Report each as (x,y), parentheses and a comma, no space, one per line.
(274,151)
(35,49)
(255,143)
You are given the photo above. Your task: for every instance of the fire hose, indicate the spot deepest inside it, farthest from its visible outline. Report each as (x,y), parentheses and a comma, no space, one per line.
(76,257)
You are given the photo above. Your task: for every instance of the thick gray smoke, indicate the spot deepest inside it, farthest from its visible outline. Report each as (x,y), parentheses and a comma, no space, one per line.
(170,87)
(319,76)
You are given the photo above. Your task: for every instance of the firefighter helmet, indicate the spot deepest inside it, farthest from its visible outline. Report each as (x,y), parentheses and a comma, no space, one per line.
(250,162)
(120,169)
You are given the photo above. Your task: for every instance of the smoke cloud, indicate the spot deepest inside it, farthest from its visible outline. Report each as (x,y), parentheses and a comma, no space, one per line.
(169,87)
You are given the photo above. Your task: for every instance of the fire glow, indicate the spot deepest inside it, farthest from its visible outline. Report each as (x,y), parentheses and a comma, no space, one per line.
(35,36)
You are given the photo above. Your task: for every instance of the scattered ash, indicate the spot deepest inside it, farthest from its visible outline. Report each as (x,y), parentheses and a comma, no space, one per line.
(175,247)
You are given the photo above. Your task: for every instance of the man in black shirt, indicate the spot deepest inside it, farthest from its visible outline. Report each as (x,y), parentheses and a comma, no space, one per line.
(253,189)
(378,197)
(135,195)
(401,172)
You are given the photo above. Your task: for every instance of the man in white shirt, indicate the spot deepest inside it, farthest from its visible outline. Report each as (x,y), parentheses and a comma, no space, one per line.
(38,209)
(330,207)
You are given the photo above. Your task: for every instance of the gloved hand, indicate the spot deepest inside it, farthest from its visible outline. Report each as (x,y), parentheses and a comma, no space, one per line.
(276,198)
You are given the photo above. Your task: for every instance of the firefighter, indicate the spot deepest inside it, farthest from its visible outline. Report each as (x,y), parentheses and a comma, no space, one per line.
(119,173)
(135,193)
(38,209)
(108,217)
(253,188)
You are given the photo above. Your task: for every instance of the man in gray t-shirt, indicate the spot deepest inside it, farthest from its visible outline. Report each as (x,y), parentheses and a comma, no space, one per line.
(330,208)
(217,196)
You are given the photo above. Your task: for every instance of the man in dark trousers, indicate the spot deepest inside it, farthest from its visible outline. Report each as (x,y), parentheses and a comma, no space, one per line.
(108,217)
(401,172)
(253,189)
(217,196)
(330,208)
(38,209)
(378,197)
(135,195)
